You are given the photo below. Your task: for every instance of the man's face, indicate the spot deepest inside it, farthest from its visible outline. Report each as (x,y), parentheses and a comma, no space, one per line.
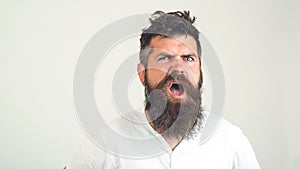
(174,69)
(171,54)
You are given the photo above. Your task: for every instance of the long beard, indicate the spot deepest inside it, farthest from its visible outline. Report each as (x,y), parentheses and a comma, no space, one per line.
(174,118)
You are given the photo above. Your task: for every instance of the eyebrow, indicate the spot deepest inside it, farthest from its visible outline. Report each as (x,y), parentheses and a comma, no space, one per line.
(168,54)
(164,54)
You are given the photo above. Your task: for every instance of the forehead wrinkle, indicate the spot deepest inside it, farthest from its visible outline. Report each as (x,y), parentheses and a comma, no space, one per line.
(177,45)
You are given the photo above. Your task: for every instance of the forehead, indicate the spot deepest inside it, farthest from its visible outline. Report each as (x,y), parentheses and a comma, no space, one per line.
(177,45)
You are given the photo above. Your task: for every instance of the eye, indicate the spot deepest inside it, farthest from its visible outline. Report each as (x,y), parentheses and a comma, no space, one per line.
(188,58)
(165,57)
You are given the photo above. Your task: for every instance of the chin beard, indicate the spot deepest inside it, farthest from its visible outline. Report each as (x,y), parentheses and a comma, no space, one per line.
(173,117)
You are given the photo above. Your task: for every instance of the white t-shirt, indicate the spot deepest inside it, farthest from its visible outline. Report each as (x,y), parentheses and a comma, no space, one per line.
(226,148)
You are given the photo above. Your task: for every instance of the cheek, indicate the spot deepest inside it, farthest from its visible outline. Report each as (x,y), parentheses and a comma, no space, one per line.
(155,76)
(195,75)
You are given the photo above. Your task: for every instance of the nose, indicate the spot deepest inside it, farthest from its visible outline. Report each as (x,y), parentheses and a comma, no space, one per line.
(177,65)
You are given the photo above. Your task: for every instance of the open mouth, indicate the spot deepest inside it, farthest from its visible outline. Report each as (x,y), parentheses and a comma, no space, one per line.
(176,89)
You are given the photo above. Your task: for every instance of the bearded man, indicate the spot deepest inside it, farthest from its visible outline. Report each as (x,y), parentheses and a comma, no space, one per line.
(170,70)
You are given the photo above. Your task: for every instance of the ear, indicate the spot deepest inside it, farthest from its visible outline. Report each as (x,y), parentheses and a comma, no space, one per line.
(141,72)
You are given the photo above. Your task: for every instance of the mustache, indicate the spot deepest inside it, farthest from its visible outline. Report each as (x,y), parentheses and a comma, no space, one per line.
(173,76)
(193,92)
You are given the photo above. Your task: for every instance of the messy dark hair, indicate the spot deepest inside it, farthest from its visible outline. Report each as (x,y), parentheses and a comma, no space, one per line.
(168,25)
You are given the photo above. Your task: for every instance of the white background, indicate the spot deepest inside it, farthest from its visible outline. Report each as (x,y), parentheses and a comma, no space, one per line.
(256,41)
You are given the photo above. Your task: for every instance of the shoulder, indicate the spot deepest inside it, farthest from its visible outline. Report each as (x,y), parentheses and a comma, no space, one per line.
(133,125)
(88,156)
(232,139)
(217,127)
(219,130)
